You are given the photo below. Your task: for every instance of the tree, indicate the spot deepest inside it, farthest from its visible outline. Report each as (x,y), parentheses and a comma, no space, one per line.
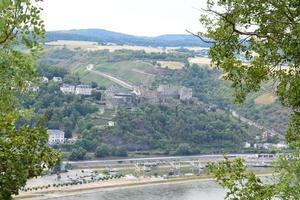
(257,41)
(184,149)
(78,154)
(23,150)
(97,95)
(94,84)
(102,151)
(120,152)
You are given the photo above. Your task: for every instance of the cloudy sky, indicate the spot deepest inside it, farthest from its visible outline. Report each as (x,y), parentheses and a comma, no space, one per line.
(137,17)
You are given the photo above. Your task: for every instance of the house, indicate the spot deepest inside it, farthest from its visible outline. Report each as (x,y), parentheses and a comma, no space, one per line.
(33,89)
(111,91)
(56,136)
(182,93)
(266,134)
(119,100)
(67,89)
(111,123)
(281,146)
(258,145)
(185,93)
(167,90)
(267,145)
(146,95)
(57,79)
(45,79)
(83,90)
(247,145)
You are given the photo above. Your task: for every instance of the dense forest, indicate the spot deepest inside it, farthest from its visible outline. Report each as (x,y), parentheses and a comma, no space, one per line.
(163,129)
(185,129)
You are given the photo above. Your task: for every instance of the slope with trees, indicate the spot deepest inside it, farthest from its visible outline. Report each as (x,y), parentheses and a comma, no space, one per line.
(267,34)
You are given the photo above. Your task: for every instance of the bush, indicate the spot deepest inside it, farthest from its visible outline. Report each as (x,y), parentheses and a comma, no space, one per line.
(101,151)
(78,154)
(184,149)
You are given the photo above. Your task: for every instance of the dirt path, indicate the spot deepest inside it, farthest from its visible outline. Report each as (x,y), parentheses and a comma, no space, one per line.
(142,72)
(110,77)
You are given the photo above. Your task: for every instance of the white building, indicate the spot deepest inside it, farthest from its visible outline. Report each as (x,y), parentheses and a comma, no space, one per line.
(281,146)
(268,145)
(34,89)
(66,88)
(83,90)
(57,79)
(111,123)
(56,136)
(45,79)
(247,145)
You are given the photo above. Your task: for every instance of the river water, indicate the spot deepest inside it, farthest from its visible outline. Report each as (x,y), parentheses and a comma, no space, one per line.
(194,190)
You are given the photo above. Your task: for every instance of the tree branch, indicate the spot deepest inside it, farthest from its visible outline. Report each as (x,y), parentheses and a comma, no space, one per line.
(224,17)
(200,37)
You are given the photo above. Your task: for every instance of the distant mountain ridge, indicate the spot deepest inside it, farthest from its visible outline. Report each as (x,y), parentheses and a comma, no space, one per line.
(105,36)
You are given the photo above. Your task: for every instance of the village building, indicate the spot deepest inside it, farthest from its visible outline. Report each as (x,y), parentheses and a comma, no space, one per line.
(57,79)
(180,92)
(33,89)
(281,146)
(45,79)
(185,93)
(56,136)
(145,95)
(83,90)
(258,145)
(167,91)
(266,134)
(247,145)
(111,91)
(120,100)
(67,89)
(111,123)
(268,145)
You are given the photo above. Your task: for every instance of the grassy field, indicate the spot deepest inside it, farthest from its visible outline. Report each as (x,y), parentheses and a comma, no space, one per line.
(171,64)
(87,77)
(135,72)
(199,61)
(85,45)
(265,99)
(94,46)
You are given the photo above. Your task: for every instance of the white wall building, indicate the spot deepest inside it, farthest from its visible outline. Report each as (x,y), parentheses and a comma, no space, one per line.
(247,145)
(111,123)
(45,79)
(66,88)
(56,136)
(83,90)
(57,79)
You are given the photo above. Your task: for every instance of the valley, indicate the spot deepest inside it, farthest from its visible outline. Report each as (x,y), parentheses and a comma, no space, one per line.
(131,111)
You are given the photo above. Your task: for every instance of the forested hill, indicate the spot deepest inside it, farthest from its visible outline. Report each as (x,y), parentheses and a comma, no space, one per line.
(104,36)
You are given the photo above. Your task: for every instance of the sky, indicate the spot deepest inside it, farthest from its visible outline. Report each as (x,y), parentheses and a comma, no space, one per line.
(136,17)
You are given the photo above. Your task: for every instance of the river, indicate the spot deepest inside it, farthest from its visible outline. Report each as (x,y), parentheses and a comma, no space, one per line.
(194,190)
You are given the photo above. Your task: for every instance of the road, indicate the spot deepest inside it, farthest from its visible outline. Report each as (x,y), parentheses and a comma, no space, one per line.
(201,158)
(112,78)
(254,124)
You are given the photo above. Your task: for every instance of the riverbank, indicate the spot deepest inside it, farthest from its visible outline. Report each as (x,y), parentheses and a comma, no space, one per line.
(111,184)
